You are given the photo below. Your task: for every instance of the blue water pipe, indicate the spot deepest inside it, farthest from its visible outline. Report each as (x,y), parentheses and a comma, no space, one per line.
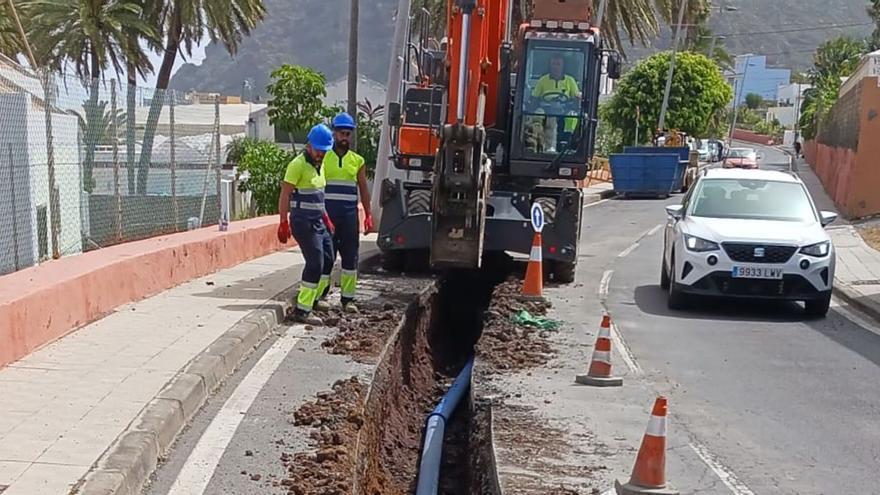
(432,448)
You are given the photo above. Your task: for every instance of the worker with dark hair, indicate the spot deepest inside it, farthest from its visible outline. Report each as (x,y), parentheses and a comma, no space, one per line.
(302,195)
(346,177)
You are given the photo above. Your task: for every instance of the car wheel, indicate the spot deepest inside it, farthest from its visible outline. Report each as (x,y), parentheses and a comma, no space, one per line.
(818,308)
(664,276)
(676,298)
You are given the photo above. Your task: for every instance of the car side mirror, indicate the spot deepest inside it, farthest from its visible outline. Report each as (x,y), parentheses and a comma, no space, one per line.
(675,211)
(828,217)
(760,156)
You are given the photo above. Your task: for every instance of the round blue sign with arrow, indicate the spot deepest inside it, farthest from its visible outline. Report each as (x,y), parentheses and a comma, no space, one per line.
(537,217)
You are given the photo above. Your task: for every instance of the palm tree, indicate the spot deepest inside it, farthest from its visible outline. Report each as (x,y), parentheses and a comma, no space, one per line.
(185,23)
(10,40)
(93,35)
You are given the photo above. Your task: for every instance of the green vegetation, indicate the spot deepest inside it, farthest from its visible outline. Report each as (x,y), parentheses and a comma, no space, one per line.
(698,93)
(264,163)
(834,59)
(296,103)
(754,101)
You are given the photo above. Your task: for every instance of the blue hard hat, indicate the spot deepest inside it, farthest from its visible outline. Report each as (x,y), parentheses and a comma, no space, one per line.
(344,121)
(321,138)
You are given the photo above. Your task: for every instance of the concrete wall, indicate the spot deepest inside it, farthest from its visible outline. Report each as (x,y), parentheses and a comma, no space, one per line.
(846,152)
(752,137)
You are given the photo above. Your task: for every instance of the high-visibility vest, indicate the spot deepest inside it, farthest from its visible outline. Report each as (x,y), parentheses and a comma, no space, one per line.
(341,172)
(307,199)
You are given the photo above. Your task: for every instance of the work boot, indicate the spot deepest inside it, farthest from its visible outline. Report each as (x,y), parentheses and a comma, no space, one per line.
(322,306)
(350,307)
(308,319)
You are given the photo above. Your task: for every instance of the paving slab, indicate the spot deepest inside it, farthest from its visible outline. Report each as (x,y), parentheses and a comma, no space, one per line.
(66,404)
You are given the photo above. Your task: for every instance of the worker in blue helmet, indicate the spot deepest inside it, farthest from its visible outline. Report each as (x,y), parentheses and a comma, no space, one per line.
(302,196)
(346,177)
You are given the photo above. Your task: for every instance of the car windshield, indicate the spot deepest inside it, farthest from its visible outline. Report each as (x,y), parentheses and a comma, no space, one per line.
(752,199)
(741,153)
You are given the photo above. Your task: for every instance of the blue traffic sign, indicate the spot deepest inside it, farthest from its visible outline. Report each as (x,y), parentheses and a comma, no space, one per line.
(537,217)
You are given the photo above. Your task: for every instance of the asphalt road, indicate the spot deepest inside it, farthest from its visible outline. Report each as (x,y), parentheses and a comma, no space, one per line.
(774,402)
(762,400)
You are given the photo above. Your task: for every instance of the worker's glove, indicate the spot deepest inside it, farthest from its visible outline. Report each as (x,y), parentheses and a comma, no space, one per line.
(368,224)
(329,223)
(284,231)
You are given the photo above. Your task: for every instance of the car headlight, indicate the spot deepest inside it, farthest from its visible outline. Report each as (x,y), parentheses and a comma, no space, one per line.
(818,250)
(699,244)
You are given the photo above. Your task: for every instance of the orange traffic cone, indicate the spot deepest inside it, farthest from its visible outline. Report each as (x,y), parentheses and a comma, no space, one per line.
(533,288)
(649,473)
(599,374)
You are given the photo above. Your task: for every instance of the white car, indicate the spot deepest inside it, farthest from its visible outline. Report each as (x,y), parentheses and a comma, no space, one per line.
(748,234)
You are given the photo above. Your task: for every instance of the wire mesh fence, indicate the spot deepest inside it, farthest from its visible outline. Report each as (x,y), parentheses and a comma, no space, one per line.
(89,164)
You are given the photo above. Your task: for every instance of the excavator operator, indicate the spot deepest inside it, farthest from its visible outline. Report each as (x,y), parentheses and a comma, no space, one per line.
(555,89)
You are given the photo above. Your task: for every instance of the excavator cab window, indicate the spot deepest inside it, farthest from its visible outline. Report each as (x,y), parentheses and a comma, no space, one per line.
(551,102)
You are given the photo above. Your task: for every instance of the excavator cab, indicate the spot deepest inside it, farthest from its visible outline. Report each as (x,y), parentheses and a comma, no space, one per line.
(555,104)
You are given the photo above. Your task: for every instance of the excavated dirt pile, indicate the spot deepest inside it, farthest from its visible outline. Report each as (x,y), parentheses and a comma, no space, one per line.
(336,417)
(506,345)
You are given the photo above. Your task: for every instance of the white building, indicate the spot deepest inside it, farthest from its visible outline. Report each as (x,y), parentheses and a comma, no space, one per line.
(789,100)
(868,66)
(26,228)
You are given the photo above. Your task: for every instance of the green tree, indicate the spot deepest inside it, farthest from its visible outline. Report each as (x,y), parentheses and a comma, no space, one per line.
(833,60)
(754,100)
(296,102)
(184,24)
(874,14)
(97,120)
(698,93)
(369,129)
(260,170)
(10,40)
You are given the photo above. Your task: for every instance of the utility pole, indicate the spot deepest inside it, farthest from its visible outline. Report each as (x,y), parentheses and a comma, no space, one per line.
(664,108)
(395,73)
(737,95)
(353,65)
(601,14)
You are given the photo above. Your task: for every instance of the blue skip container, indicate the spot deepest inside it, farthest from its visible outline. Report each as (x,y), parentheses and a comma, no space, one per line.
(647,174)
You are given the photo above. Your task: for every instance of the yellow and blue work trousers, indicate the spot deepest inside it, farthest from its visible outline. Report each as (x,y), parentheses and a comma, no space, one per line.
(308,229)
(341,202)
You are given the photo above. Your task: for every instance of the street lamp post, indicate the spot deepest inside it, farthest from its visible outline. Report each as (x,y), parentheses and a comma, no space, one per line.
(721,9)
(665,107)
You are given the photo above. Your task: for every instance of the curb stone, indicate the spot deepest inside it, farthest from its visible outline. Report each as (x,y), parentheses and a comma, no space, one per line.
(127,465)
(861,302)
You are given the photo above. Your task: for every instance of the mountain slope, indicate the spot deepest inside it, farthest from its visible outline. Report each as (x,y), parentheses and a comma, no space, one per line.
(315,33)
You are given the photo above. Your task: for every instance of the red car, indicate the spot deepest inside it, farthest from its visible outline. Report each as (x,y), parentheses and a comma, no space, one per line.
(741,158)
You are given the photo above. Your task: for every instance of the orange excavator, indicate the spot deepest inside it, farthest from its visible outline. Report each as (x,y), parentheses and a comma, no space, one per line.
(495,117)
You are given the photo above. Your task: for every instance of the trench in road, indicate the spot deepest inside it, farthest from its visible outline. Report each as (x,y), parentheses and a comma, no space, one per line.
(439,336)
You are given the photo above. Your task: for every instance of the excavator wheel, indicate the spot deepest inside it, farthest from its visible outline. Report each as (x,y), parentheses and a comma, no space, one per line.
(563,272)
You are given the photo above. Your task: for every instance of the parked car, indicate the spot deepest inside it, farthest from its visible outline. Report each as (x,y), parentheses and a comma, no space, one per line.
(741,158)
(748,234)
(705,151)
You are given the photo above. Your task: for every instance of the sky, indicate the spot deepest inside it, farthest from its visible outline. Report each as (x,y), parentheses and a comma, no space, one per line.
(198,56)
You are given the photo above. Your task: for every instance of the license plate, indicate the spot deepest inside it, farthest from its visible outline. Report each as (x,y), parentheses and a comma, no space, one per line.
(762,272)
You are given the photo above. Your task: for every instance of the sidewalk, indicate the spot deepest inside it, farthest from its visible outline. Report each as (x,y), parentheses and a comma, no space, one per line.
(857,275)
(64,405)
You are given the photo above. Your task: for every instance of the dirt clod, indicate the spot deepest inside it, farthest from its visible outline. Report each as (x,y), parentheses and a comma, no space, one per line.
(363,336)
(337,418)
(506,345)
